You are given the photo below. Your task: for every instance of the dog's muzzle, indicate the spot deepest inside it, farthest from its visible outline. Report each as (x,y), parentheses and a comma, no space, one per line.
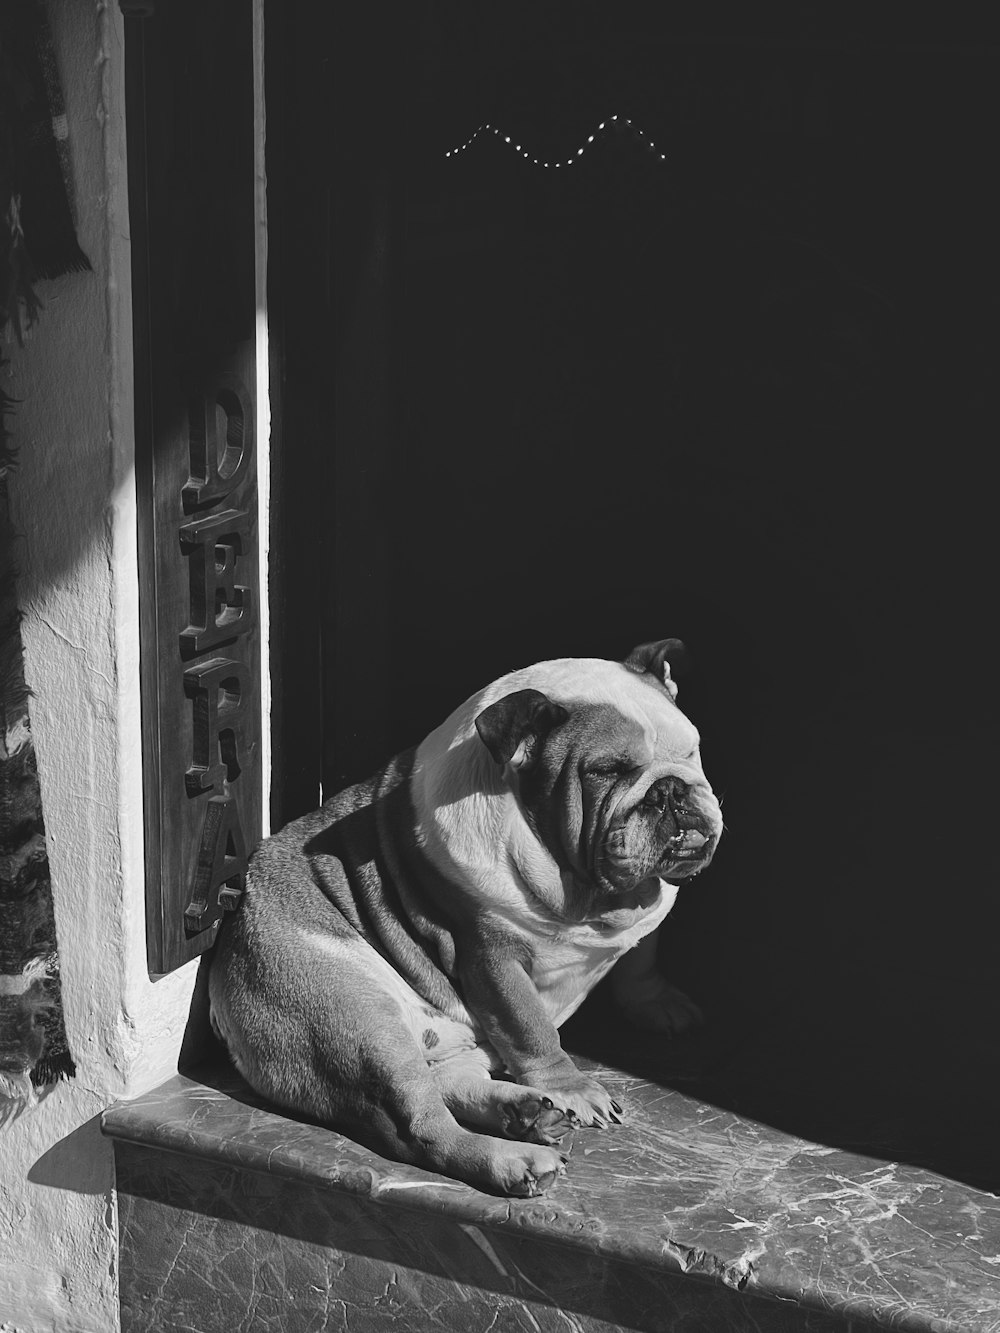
(690,839)
(669,834)
(688,853)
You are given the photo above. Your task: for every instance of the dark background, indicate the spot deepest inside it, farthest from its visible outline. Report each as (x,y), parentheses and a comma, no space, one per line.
(747,397)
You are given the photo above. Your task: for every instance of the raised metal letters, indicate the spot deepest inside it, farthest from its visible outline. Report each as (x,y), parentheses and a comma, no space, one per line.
(214,473)
(220,611)
(222,864)
(219,690)
(220,608)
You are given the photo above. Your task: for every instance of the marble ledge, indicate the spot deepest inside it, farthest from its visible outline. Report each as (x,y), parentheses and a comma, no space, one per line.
(681,1188)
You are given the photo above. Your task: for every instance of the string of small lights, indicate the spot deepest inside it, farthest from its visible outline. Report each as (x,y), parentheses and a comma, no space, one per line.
(615,122)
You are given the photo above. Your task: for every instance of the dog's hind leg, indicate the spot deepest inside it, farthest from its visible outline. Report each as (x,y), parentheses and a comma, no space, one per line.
(340,1051)
(500,1107)
(413,1121)
(391,1102)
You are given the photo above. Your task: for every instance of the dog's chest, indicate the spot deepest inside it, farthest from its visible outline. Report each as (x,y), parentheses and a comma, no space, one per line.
(569,962)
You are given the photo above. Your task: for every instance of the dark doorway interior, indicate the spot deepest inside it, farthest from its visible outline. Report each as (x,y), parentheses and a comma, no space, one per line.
(747,397)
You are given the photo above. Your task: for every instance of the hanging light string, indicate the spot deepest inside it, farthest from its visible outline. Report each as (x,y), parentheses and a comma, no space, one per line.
(612,122)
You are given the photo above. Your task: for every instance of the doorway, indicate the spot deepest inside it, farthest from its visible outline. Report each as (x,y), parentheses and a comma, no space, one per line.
(740,395)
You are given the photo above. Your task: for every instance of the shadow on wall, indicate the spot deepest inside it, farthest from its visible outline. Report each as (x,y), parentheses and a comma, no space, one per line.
(78,1162)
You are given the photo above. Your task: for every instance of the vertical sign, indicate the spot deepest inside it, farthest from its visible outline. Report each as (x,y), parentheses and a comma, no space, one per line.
(191,153)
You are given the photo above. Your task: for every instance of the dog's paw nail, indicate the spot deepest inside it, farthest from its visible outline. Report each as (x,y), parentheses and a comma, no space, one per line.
(616,1107)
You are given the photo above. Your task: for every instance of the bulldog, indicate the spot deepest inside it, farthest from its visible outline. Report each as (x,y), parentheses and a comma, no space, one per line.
(403,957)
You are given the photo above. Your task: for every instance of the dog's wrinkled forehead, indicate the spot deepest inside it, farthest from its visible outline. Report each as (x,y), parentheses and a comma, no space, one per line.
(638,727)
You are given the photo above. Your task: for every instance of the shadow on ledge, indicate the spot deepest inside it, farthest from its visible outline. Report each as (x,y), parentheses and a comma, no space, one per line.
(868,1061)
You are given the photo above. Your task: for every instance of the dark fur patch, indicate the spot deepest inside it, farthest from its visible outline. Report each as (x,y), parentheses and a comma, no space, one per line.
(581,764)
(430,1038)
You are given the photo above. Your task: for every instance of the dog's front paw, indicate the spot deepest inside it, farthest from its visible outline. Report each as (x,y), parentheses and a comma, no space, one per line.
(534,1118)
(656,1006)
(586,1100)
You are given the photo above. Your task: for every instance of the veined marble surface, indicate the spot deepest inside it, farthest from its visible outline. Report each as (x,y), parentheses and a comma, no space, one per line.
(207,1248)
(681,1187)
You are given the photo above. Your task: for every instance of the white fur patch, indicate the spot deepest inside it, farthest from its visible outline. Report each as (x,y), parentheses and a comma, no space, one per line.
(465,811)
(569,963)
(470,826)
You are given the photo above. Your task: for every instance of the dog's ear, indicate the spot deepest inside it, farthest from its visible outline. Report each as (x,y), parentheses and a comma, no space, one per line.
(514,728)
(664,659)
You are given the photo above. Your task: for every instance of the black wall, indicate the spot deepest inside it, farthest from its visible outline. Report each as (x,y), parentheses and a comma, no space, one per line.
(748,397)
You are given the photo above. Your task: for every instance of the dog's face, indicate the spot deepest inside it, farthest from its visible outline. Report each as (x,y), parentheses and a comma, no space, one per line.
(607,771)
(621,797)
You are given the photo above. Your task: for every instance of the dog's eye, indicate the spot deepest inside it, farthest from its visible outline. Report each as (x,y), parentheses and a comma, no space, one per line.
(610,768)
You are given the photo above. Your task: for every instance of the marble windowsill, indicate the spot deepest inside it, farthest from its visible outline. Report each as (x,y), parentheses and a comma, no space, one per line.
(682,1187)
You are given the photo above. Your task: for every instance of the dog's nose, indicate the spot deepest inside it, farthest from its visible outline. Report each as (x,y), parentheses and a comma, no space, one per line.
(668,789)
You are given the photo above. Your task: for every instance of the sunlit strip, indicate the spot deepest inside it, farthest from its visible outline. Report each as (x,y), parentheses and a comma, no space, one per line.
(262,424)
(486,128)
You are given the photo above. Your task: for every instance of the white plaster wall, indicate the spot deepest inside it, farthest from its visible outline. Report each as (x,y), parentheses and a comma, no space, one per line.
(73,499)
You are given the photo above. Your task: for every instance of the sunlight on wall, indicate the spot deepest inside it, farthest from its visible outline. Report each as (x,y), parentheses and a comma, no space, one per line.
(73,500)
